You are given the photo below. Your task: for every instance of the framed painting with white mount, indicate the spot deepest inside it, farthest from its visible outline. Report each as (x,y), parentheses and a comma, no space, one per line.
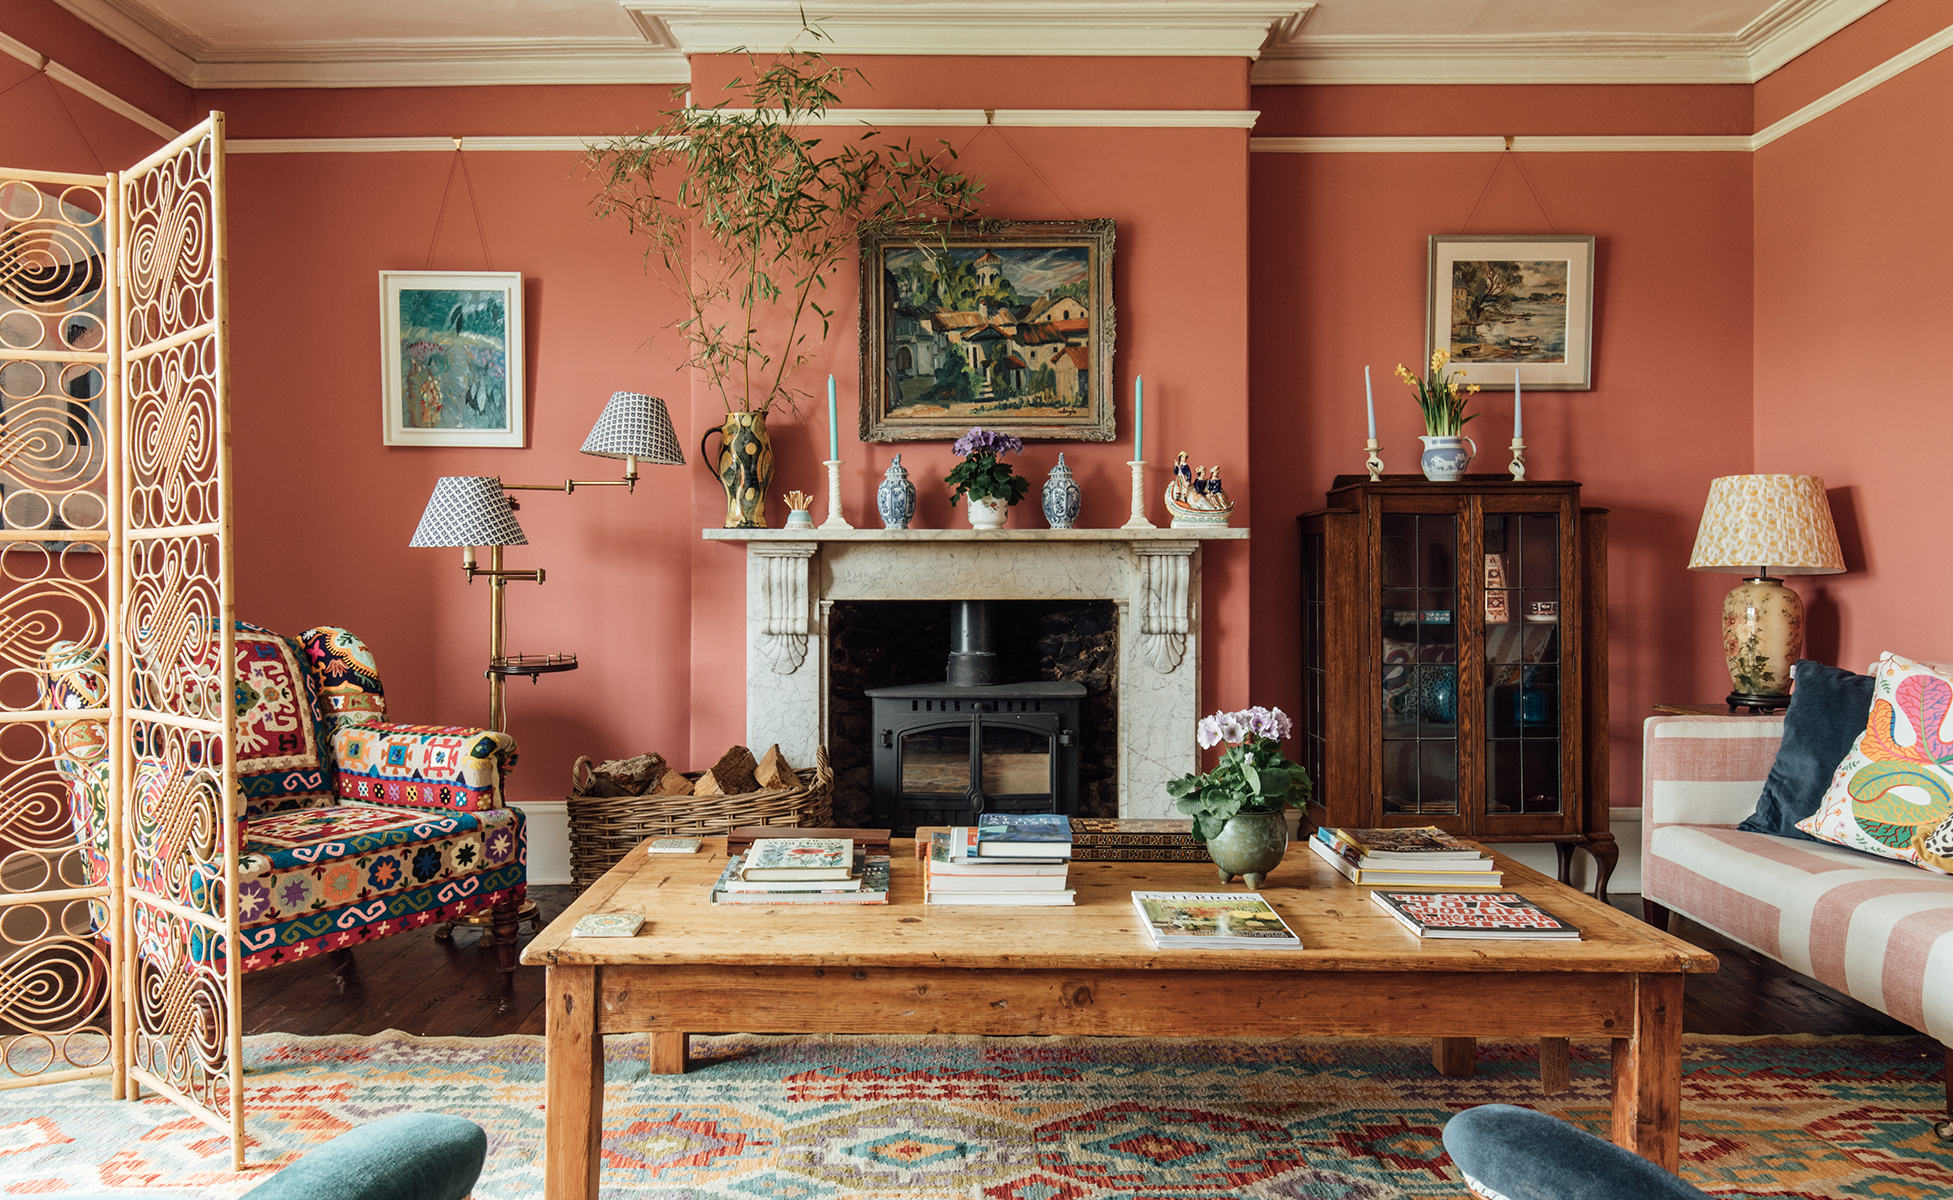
(451,358)
(1003,324)
(1504,301)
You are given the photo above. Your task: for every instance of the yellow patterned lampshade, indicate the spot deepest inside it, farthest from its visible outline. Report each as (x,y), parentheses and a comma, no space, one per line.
(1767,525)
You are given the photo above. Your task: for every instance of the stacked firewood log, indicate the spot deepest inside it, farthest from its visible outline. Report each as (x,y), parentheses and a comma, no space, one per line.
(735,774)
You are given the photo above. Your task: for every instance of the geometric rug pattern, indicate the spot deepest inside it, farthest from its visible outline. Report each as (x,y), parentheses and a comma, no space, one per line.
(973,1118)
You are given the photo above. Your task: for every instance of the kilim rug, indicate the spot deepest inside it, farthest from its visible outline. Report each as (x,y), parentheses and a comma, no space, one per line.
(795,1118)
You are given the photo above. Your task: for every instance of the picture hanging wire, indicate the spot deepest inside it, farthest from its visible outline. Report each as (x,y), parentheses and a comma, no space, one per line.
(481,234)
(1509,153)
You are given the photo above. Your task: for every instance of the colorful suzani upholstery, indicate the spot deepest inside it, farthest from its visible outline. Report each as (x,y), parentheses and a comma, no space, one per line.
(437,766)
(413,833)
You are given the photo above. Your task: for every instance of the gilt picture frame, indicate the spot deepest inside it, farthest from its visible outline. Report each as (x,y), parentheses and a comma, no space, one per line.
(1005,324)
(451,358)
(1500,302)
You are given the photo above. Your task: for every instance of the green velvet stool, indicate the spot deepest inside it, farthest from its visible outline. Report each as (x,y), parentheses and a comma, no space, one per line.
(412,1156)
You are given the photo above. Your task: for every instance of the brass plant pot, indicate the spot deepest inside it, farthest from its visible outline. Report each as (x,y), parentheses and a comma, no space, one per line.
(744,466)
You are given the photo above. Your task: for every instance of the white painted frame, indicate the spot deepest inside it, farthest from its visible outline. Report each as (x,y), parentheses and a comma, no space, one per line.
(513,431)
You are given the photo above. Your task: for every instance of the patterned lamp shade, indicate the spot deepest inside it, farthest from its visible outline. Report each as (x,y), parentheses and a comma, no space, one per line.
(1767,524)
(468,510)
(635,426)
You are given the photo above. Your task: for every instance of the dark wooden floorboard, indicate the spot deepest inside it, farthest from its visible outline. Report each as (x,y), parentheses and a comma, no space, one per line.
(419,985)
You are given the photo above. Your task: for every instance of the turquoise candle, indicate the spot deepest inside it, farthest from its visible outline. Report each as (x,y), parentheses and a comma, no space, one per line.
(1139,418)
(833,428)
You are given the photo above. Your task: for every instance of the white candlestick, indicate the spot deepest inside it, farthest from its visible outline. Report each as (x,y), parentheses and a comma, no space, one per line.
(1518,423)
(834,518)
(1369,402)
(1138,519)
(833,429)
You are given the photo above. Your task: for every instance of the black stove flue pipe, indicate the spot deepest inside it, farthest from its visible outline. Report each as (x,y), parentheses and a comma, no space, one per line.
(972,662)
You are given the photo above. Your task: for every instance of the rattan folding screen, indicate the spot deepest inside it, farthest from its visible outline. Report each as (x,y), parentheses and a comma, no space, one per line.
(118,912)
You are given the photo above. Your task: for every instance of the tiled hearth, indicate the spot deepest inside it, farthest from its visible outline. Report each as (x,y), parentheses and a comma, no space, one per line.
(793,577)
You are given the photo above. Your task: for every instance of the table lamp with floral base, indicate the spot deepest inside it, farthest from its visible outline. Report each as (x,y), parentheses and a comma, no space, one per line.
(1756,525)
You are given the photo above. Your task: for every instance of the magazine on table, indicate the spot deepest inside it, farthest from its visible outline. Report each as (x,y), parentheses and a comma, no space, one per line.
(1373,877)
(1472,915)
(1401,862)
(1213,920)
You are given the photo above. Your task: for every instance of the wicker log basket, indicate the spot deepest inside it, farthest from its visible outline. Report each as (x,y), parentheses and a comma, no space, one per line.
(603,829)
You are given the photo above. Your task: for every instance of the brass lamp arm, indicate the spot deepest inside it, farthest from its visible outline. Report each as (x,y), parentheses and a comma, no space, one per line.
(535,576)
(569,486)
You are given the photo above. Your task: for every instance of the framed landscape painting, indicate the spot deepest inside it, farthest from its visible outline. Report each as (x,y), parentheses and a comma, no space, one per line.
(1500,302)
(1003,324)
(451,358)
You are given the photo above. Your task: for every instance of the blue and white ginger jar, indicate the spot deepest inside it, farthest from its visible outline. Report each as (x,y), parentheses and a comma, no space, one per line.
(895,498)
(1061,496)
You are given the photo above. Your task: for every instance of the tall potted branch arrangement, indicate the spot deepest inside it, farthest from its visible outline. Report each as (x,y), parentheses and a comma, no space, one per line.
(1442,399)
(748,213)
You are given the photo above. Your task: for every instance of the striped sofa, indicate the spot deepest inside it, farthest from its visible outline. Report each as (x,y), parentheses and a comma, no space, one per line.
(1879,930)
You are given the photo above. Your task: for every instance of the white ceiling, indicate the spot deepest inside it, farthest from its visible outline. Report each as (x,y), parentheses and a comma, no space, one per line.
(349,43)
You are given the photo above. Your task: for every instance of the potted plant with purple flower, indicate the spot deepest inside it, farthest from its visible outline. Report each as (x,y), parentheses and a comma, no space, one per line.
(1237,807)
(985,478)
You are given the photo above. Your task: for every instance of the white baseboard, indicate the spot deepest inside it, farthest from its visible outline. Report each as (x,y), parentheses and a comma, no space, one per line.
(549,839)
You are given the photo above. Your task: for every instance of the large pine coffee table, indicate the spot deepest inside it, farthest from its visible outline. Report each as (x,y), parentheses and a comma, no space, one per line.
(1090,970)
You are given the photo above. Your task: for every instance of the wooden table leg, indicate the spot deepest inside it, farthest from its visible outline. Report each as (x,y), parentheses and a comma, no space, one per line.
(1648,1073)
(573,1089)
(670,1053)
(1454,1055)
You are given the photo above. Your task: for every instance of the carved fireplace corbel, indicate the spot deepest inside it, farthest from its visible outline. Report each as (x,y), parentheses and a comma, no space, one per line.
(784,590)
(1165,601)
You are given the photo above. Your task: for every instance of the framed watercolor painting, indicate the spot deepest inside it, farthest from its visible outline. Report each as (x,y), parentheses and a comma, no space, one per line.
(451,358)
(1003,324)
(1499,302)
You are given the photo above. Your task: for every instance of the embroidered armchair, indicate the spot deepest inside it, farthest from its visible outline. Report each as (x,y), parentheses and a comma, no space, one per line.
(351,829)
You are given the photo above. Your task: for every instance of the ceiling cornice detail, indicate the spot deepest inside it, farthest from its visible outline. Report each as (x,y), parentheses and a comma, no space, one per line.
(1139,28)
(1780,34)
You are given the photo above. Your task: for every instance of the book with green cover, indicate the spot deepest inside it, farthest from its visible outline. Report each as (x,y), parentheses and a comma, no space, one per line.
(1213,920)
(873,890)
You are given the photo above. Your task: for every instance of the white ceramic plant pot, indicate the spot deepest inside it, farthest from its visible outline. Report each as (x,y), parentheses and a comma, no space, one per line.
(987,514)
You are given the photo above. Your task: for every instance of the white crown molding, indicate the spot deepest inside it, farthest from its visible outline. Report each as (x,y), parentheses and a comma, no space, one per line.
(168,47)
(485,63)
(1096,28)
(412,145)
(1786,30)
(1599,144)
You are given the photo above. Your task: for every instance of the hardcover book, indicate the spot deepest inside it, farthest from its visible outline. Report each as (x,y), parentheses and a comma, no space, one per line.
(873,889)
(1491,915)
(965,843)
(1434,875)
(674,845)
(1404,862)
(1000,899)
(1041,828)
(1009,877)
(940,859)
(1427,843)
(798,858)
(1212,920)
(1192,852)
(607,925)
(1131,831)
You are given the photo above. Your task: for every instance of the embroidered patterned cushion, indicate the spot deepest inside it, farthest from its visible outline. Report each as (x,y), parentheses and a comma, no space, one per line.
(281,760)
(346,675)
(431,766)
(1895,788)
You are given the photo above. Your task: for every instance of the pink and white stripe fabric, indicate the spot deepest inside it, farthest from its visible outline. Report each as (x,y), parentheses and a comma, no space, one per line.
(1876,929)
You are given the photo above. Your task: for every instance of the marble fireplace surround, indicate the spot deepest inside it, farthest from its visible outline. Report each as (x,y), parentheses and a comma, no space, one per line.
(794,576)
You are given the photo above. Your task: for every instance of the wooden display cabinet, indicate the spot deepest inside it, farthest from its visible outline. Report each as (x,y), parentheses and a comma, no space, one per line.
(1454,661)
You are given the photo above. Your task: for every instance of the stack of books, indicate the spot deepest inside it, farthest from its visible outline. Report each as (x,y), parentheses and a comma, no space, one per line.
(1212,921)
(1427,857)
(1475,915)
(1010,859)
(797,870)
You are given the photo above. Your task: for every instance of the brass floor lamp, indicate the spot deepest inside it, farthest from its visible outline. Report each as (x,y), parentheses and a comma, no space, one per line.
(475,510)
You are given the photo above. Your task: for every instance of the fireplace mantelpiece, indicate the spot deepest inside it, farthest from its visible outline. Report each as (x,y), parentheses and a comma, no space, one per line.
(1153,575)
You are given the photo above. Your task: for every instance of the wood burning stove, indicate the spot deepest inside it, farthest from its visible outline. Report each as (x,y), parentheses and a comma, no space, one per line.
(944,752)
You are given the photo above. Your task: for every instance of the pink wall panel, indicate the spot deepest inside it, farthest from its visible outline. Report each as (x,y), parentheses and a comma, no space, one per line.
(1339,281)
(1852,338)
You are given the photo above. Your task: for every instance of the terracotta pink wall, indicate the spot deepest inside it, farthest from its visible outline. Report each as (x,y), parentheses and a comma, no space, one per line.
(1339,281)
(1852,331)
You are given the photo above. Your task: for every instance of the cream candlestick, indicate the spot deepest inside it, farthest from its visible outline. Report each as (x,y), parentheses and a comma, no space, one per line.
(1518,467)
(834,518)
(1138,520)
(1374,463)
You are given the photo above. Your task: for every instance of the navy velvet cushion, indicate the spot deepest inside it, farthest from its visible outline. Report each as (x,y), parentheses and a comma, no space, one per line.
(412,1156)
(1525,1155)
(1827,712)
